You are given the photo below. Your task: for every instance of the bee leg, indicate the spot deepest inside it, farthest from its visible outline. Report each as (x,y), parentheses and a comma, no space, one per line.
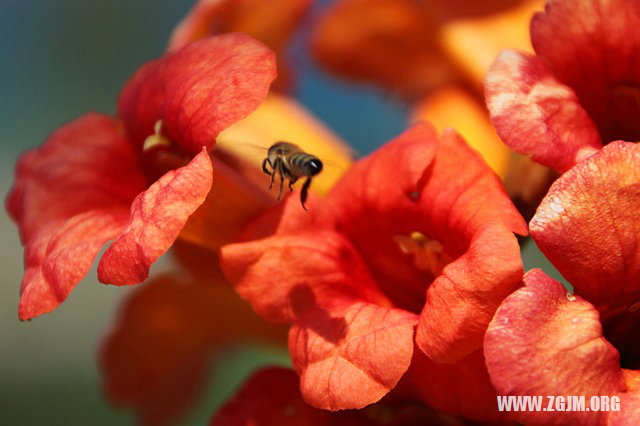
(281,180)
(291,182)
(273,174)
(305,191)
(264,166)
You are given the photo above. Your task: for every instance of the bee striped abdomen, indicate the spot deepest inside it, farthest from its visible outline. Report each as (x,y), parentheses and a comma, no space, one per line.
(303,164)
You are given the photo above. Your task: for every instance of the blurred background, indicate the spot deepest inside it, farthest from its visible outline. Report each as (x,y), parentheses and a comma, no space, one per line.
(58,60)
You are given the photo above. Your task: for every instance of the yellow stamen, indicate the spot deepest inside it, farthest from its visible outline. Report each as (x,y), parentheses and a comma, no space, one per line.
(156,139)
(427,254)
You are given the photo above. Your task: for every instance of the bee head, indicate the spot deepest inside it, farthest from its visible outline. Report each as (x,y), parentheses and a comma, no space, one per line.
(315,166)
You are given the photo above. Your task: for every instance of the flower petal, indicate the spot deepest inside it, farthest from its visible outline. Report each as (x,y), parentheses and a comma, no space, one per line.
(542,343)
(390,42)
(454,107)
(486,36)
(536,114)
(601,37)
(230,205)
(198,90)
(213,83)
(157,216)
(288,217)
(352,356)
(413,150)
(587,225)
(140,101)
(157,357)
(284,276)
(461,302)
(270,22)
(629,412)
(70,197)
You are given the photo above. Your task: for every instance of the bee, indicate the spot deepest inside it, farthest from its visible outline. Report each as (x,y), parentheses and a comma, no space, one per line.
(292,163)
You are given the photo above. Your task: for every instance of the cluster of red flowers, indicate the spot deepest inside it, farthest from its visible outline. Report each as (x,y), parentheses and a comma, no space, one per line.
(402,286)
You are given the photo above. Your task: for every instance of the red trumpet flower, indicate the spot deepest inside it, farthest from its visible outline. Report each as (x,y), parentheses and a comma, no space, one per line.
(580,91)
(94,181)
(544,341)
(420,232)
(272,23)
(570,106)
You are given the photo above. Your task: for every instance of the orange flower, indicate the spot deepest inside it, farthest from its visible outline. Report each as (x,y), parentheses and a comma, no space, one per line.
(474,42)
(411,47)
(419,232)
(101,178)
(271,22)
(435,54)
(389,42)
(452,106)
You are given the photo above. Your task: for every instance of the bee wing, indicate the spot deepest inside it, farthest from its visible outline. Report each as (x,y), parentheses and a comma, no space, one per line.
(333,165)
(243,149)
(245,156)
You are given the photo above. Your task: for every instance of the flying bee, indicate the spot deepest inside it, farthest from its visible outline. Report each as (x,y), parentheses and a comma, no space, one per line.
(291,163)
